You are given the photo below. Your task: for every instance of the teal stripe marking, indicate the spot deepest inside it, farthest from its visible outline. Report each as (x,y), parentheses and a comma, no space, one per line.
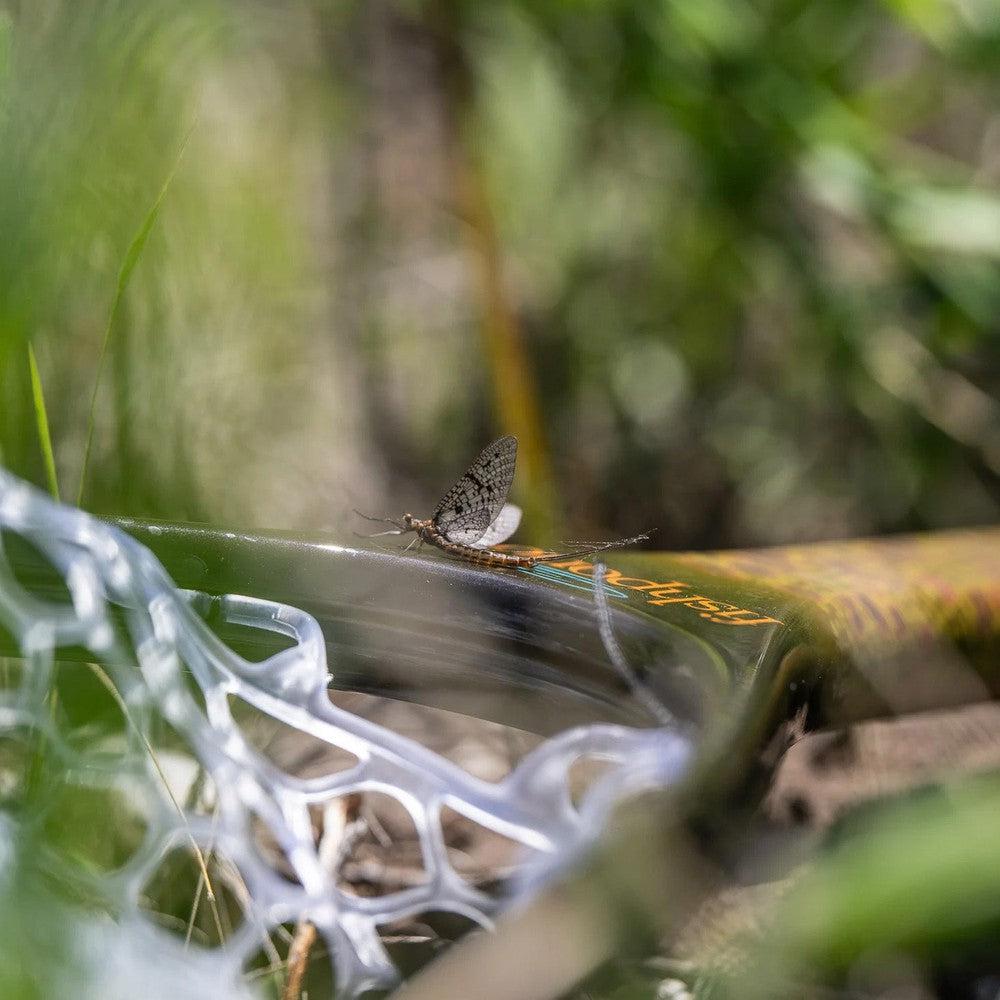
(573,581)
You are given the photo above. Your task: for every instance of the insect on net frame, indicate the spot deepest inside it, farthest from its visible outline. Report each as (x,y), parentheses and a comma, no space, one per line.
(473,516)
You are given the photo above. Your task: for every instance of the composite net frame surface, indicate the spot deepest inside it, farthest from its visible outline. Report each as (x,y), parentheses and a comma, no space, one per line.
(166,666)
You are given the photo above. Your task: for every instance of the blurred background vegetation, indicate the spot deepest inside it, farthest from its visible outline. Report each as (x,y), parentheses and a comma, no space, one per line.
(731,269)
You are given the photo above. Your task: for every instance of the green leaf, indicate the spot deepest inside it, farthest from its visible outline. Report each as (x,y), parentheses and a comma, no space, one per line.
(132,256)
(42,420)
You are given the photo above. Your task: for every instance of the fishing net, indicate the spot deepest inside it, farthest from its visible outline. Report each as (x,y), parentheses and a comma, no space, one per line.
(215,800)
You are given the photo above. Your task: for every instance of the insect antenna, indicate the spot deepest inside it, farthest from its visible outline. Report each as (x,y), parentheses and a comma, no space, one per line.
(398,528)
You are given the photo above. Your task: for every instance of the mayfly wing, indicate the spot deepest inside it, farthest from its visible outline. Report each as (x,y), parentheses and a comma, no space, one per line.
(502,528)
(473,503)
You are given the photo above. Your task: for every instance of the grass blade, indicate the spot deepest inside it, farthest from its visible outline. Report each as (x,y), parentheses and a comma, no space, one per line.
(132,256)
(42,420)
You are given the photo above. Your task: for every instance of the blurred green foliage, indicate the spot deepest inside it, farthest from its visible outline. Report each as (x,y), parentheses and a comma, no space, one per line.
(906,901)
(731,269)
(741,258)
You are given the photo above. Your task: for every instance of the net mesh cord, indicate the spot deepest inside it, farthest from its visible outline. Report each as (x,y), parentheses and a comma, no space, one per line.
(146,635)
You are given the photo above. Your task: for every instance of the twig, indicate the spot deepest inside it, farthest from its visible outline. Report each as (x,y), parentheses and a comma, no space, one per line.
(298,959)
(335,842)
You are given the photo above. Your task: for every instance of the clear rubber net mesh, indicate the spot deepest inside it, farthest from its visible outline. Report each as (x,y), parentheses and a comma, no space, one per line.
(186,783)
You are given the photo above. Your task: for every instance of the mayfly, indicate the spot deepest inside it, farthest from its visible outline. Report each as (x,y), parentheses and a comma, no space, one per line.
(473,516)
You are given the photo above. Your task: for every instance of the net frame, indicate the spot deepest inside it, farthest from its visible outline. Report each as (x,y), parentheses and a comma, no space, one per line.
(124,609)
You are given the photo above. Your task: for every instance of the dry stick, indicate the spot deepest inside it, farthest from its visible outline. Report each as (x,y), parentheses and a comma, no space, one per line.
(298,959)
(196,902)
(192,916)
(334,843)
(236,883)
(194,794)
